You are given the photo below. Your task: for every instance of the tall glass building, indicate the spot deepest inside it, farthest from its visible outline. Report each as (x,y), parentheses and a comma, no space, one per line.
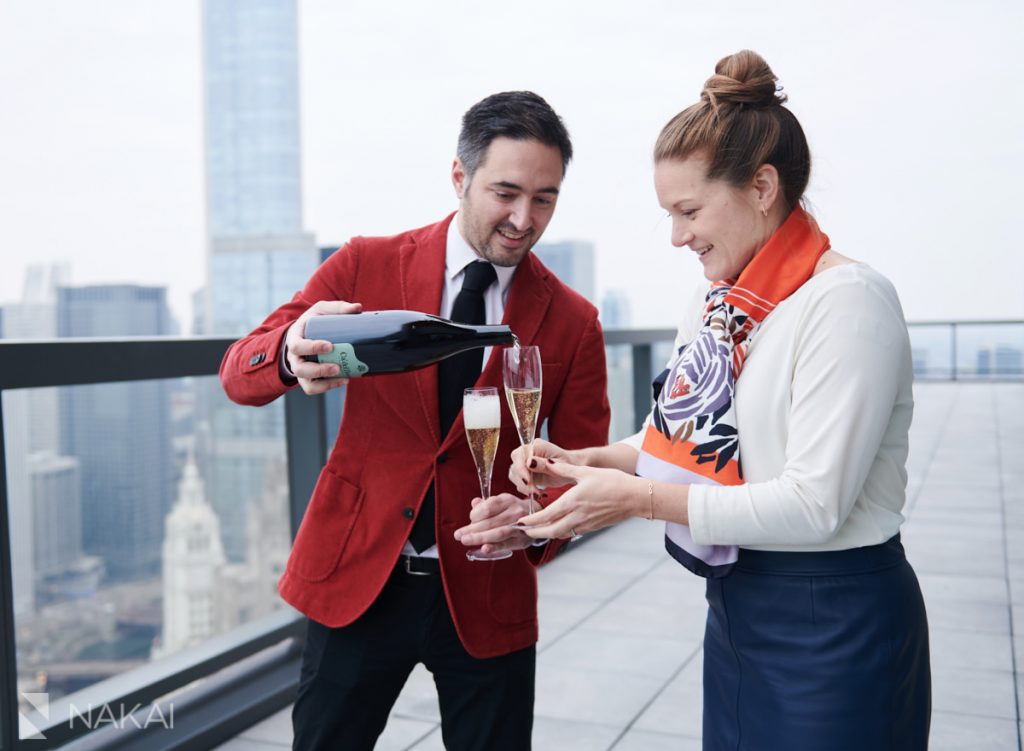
(126,484)
(572,261)
(252,117)
(258,255)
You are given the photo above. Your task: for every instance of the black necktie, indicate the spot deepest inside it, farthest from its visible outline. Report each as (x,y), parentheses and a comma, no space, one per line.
(455,375)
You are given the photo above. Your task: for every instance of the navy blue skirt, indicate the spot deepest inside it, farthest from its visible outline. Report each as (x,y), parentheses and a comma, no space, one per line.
(817,651)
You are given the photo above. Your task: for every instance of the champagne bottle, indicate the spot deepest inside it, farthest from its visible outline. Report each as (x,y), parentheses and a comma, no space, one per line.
(395,341)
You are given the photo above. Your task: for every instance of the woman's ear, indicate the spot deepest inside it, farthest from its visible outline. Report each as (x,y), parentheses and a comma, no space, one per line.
(766,187)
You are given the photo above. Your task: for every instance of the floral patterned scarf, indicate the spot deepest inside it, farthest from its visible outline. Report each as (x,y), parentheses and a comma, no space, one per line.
(692,436)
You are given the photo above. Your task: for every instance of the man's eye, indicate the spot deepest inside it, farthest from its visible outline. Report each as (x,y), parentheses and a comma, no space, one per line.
(503,196)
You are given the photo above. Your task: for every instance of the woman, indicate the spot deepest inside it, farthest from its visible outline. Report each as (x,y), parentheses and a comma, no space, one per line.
(776,448)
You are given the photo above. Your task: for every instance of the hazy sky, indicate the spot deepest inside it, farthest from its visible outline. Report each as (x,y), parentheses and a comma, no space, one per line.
(914,111)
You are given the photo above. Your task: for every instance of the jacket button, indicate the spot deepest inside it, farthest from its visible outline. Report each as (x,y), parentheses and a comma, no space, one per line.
(442,457)
(408,512)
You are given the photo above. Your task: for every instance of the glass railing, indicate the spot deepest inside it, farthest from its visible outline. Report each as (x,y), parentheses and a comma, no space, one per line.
(144,521)
(968,350)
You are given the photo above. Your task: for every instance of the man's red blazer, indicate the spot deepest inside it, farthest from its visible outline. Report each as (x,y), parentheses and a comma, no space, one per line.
(389,448)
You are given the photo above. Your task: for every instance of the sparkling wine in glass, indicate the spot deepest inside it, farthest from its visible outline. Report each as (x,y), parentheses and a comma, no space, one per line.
(481,412)
(522,373)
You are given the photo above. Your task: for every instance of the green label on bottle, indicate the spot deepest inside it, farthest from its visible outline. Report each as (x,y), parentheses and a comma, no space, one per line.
(345,356)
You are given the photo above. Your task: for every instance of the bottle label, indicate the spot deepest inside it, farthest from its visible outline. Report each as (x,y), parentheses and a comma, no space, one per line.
(345,356)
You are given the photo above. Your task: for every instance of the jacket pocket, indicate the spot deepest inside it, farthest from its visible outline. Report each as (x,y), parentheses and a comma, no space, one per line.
(326,527)
(512,595)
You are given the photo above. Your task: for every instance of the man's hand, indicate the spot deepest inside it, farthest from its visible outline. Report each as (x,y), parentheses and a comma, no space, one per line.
(489,525)
(315,377)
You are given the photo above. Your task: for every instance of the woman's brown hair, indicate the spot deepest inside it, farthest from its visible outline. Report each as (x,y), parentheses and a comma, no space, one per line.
(740,124)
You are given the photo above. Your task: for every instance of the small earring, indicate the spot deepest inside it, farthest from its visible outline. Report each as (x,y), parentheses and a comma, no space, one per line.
(764,211)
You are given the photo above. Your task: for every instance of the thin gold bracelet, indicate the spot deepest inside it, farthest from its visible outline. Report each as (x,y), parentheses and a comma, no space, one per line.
(650,498)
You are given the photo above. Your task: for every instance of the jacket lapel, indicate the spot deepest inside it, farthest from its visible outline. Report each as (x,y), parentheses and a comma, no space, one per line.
(528,303)
(421,273)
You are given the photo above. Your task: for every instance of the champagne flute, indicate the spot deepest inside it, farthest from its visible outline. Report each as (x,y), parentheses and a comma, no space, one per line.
(481,412)
(522,373)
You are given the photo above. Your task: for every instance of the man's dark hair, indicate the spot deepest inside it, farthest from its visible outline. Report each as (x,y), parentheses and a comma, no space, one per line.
(519,115)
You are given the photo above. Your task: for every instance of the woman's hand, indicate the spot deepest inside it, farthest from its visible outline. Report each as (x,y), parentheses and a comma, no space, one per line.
(544,452)
(602,497)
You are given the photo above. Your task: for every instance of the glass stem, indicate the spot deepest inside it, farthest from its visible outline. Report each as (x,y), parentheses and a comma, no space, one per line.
(528,447)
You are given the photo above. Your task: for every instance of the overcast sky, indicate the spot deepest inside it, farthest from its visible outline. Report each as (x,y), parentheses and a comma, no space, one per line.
(914,111)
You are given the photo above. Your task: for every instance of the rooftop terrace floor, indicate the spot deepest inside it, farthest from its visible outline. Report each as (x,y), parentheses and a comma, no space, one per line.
(619,657)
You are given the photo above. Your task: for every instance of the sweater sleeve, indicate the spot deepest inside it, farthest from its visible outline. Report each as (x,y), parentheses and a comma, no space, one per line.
(851,345)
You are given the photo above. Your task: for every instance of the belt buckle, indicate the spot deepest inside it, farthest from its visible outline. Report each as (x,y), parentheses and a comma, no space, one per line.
(408,567)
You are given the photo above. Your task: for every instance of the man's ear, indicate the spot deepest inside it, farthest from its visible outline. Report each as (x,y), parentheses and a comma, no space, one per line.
(459,179)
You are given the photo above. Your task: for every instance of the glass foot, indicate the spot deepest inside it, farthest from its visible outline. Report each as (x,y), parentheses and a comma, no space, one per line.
(476,555)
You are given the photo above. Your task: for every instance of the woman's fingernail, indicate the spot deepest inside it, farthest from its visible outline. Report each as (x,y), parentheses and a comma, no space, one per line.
(533,464)
(551,461)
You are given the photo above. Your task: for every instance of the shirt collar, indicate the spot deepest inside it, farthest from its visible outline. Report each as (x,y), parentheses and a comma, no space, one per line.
(459,254)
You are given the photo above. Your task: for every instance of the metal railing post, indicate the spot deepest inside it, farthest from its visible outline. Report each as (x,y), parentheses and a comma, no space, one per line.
(8,654)
(952,332)
(642,376)
(305,439)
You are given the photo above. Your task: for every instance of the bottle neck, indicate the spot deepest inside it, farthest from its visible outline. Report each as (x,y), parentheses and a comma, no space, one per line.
(495,334)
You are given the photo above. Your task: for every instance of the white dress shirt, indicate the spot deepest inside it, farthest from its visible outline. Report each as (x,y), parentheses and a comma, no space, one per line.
(458,255)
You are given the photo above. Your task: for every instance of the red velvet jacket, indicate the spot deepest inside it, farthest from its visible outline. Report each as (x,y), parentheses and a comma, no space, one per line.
(389,448)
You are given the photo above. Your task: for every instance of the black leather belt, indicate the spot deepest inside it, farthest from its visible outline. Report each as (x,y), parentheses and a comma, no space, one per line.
(418,566)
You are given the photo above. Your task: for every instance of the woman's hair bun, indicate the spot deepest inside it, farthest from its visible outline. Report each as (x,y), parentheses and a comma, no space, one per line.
(738,125)
(743,78)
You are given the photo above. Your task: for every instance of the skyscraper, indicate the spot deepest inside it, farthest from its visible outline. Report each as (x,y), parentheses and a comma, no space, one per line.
(30,423)
(60,568)
(119,432)
(616,312)
(572,261)
(258,253)
(19,499)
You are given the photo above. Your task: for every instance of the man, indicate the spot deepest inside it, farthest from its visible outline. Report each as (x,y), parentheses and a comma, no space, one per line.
(375,565)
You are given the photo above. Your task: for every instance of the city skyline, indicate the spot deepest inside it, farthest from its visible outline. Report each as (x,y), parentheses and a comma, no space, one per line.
(118,157)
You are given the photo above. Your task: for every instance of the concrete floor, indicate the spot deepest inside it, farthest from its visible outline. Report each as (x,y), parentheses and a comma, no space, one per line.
(619,658)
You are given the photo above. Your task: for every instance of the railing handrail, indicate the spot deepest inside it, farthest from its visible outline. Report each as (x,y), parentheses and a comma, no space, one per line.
(38,363)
